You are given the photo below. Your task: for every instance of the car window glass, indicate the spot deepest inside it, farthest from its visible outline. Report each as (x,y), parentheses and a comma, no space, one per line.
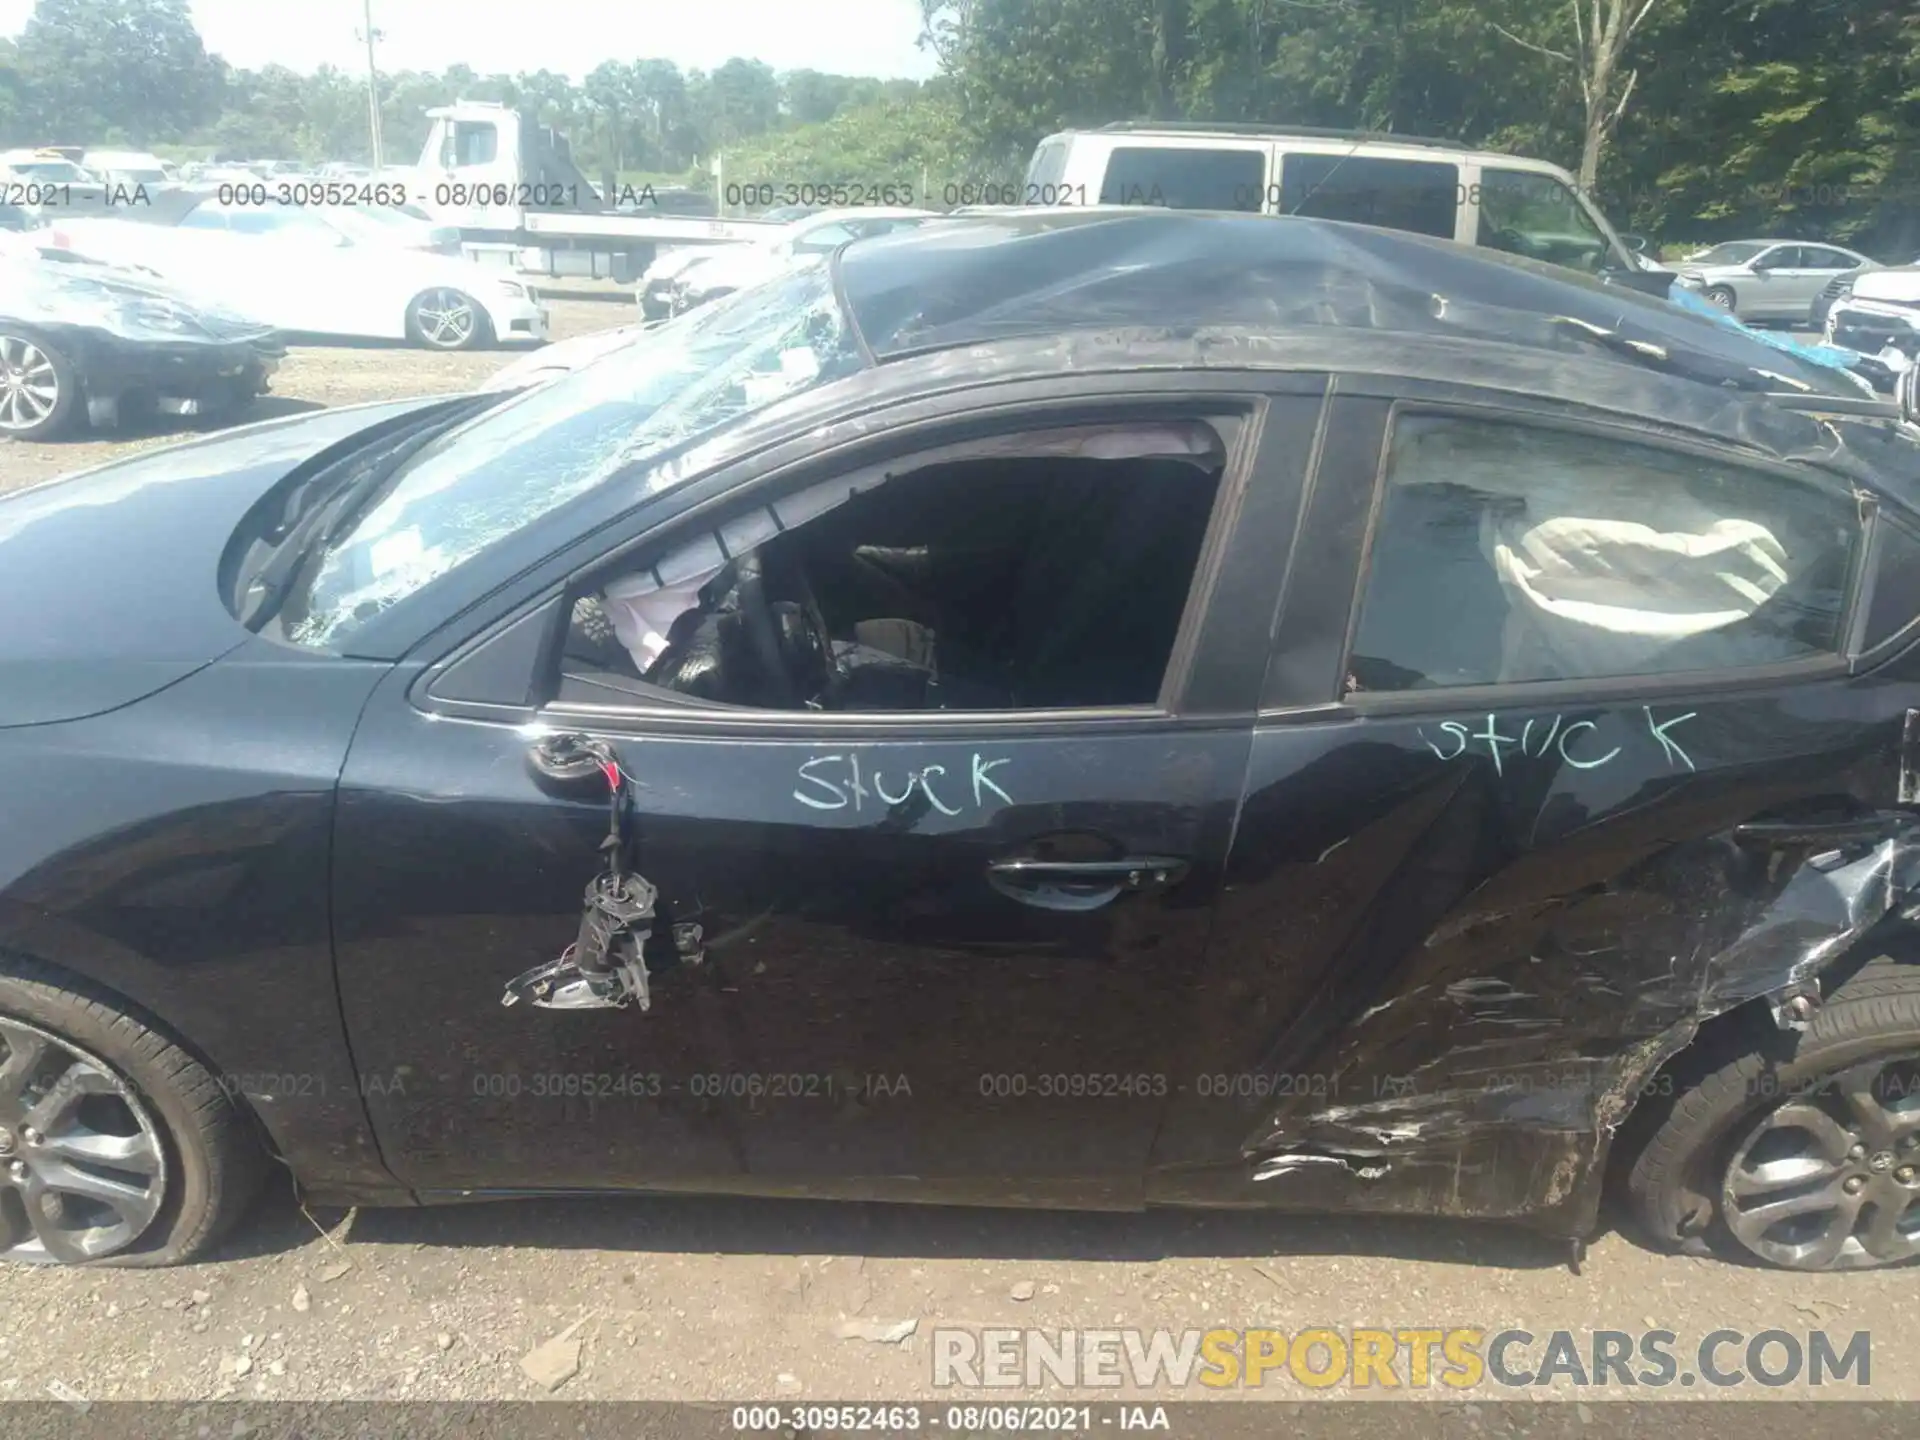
(1523,212)
(1569,557)
(1422,196)
(1781,257)
(1041,571)
(473,143)
(1819,257)
(1185,178)
(635,412)
(1049,163)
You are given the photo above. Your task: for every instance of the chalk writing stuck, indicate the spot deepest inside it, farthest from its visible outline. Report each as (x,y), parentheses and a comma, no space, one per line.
(834,782)
(1577,744)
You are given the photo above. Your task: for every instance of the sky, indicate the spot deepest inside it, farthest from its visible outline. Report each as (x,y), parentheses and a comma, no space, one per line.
(843,37)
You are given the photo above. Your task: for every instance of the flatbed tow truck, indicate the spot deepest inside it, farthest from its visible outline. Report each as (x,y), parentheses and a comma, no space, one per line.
(511,187)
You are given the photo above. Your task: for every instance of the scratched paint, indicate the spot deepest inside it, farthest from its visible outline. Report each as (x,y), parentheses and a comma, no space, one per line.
(841,781)
(1578,744)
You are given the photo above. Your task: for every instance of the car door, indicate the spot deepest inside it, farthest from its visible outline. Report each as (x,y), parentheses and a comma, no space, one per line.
(1490,871)
(928,954)
(1820,265)
(1774,291)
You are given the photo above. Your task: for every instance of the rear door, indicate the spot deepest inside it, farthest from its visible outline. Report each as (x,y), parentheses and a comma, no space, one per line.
(1487,874)
(1820,266)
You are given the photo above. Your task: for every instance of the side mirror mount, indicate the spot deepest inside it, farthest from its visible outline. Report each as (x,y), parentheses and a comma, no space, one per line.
(1636,243)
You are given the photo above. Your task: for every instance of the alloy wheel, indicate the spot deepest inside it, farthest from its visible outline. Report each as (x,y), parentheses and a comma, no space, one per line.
(445,319)
(1830,1179)
(29,388)
(83,1172)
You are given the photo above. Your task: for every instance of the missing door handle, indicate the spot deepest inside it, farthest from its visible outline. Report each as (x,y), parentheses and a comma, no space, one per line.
(569,755)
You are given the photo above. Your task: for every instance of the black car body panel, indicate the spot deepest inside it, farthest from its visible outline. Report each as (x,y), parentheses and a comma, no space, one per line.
(1401,967)
(147,534)
(1181,272)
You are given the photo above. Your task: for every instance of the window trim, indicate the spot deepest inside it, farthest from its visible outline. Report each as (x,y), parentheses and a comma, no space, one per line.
(1247,405)
(1518,694)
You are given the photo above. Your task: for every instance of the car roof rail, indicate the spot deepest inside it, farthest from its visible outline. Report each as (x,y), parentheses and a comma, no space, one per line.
(1278,132)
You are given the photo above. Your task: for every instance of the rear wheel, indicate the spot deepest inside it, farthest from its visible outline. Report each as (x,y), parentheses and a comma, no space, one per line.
(1808,1159)
(116,1146)
(38,387)
(446,319)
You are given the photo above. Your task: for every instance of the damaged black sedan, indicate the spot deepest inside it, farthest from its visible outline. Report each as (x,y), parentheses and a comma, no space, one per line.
(90,344)
(1096,710)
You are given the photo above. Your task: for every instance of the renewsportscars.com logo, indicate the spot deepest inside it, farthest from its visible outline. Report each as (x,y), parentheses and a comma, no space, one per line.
(1455,1358)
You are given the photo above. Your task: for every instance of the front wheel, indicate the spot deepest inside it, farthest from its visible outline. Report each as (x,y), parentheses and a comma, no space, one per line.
(1720,295)
(1807,1161)
(116,1146)
(446,319)
(39,388)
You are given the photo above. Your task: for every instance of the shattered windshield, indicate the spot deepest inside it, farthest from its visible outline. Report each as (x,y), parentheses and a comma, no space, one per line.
(483,481)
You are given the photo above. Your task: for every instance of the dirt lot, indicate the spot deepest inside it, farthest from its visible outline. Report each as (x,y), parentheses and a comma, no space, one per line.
(677,1298)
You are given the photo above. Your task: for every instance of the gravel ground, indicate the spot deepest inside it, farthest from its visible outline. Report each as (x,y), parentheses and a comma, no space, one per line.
(669,1298)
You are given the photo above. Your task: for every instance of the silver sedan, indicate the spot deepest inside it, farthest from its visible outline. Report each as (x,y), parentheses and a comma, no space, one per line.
(1768,279)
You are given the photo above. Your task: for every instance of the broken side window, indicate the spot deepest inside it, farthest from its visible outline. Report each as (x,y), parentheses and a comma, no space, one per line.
(1042,570)
(1565,556)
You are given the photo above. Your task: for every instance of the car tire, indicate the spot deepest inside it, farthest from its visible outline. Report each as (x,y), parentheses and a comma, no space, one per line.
(1720,295)
(1737,1126)
(25,414)
(143,1123)
(448,319)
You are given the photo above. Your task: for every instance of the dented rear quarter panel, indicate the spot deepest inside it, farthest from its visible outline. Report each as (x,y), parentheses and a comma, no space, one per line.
(1450,978)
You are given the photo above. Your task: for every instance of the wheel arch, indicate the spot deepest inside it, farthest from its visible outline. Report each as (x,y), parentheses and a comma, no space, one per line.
(330,1148)
(1748,1024)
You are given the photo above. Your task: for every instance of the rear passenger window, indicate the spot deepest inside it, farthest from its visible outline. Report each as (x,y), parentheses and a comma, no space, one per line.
(1422,196)
(1185,179)
(1570,557)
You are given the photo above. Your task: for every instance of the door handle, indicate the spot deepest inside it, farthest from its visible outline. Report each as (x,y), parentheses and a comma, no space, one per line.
(1823,834)
(1083,884)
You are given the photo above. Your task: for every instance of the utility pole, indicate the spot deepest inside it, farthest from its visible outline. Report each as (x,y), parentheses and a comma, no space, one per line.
(373,85)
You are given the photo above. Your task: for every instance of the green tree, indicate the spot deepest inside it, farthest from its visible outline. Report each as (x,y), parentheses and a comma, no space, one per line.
(132,70)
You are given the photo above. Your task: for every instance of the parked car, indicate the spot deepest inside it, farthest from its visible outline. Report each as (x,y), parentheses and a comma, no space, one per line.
(127,168)
(1880,310)
(1769,279)
(740,266)
(984,656)
(79,342)
(327,271)
(1511,203)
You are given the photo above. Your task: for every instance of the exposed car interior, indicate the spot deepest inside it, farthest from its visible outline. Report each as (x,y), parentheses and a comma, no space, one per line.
(1032,571)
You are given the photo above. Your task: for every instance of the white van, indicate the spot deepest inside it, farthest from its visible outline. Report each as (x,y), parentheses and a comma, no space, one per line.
(1430,187)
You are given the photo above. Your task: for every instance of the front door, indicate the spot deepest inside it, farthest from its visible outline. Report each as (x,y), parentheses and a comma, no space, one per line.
(926,954)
